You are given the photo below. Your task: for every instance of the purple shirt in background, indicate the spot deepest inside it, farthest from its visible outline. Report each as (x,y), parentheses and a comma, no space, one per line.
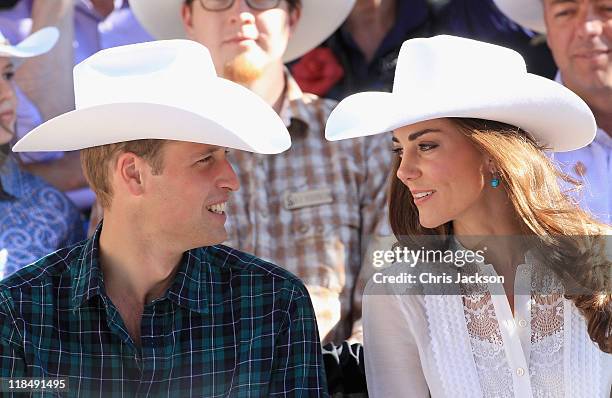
(92,33)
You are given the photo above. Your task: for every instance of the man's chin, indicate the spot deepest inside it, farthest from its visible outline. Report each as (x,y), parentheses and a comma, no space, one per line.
(214,238)
(246,68)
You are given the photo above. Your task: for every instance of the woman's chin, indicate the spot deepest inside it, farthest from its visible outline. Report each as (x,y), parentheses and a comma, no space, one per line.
(431,223)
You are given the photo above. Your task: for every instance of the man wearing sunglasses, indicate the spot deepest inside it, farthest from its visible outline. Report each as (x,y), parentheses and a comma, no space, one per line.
(315,208)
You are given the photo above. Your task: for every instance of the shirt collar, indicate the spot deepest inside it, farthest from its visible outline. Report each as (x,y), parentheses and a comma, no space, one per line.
(603,138)
(187,290)
(293,101)
(190,286)
(86,275)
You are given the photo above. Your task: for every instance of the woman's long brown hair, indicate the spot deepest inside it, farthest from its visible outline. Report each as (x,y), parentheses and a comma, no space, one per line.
(570,240)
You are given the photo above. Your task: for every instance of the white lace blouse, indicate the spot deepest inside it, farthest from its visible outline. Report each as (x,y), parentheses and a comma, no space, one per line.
(472,346)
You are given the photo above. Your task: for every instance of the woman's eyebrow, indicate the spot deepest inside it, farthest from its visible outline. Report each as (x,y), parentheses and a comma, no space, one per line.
(417,134)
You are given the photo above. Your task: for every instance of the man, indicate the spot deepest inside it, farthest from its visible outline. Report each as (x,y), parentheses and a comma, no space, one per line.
(579,35)
(366,47)
(35,218)
(483,21)
(314,208)
(86,26)
(152,305)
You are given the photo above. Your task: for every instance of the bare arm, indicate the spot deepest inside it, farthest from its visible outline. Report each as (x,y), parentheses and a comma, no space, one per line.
(64,174)
(47,79)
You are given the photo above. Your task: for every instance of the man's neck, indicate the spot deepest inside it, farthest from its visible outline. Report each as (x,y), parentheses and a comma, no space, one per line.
(369,22)
(599,101)
(271,85)
(136,268)
(103,7)
(603,113)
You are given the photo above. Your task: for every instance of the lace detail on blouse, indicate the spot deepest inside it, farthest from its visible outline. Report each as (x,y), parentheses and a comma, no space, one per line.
(546,351)
(487,346)
(546,360)
(542,351)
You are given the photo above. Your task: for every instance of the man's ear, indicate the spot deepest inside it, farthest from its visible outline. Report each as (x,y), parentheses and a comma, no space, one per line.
(294,18)
(128,173)
(187,16)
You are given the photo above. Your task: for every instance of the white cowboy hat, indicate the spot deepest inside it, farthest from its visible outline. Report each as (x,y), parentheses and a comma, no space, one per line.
(318,20)
(527,13)
(37,43)
(447,76)
(159,90)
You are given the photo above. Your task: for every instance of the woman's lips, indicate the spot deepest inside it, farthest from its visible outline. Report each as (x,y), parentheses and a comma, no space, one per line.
(421,197)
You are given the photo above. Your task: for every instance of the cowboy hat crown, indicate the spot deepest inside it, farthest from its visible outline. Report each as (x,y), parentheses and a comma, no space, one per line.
(159,90)
(447,76)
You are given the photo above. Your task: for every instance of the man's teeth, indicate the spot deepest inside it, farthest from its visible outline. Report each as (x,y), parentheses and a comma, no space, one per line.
(422,194)
(218,208)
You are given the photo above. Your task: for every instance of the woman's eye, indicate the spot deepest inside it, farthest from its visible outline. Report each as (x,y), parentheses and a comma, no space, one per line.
(398,151)
(205,160)
(427,147)
(8,75)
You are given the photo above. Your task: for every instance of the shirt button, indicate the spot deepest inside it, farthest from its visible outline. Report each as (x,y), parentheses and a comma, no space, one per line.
(523,323)
(520,371)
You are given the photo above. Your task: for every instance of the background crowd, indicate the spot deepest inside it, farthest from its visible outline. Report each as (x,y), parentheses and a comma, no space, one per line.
(360,55)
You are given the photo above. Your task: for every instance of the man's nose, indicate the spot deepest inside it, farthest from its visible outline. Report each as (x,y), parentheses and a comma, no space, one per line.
(591,23)
(228,178)
(241,12)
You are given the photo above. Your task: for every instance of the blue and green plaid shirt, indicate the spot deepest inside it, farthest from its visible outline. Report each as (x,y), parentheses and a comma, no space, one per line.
(230,325)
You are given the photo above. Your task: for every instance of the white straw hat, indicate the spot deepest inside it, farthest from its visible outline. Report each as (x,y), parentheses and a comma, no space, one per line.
(318,20)
(37,43)
(447,76)
(527,13)
(159,90)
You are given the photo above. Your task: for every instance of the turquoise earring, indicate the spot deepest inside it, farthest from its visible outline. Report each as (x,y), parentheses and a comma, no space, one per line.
(495,181)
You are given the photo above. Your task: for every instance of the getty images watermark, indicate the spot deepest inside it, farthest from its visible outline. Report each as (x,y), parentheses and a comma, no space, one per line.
(426,258)
(434,265)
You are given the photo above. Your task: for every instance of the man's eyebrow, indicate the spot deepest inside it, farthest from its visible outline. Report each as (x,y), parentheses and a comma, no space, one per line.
(555,2)
(208,151)
(9,66)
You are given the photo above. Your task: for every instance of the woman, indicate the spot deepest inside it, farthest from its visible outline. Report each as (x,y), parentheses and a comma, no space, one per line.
(35,219)
(469,128)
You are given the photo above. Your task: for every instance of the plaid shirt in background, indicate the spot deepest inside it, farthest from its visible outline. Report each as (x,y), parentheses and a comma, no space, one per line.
(314,208)
(230,325)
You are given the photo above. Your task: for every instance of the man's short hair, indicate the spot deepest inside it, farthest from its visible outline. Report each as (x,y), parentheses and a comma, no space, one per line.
(97,161)
(293,4)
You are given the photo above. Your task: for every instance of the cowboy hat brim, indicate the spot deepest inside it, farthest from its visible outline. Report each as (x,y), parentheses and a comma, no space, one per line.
(37,43)
(527,13)
(318,20)
(238,119)
(549,112)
